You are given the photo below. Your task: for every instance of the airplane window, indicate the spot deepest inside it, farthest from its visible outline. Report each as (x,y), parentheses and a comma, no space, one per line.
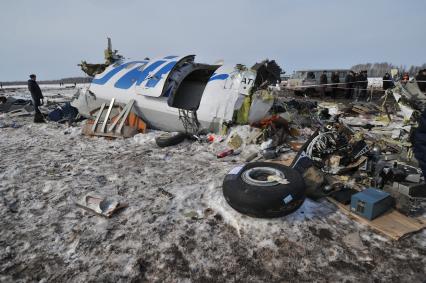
(142,67)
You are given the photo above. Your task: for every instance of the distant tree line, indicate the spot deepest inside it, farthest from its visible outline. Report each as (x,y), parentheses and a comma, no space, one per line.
(379,69)
(71,80)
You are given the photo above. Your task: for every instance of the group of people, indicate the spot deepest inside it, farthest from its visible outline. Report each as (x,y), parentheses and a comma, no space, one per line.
(356,85)
(388,81)
(335,80)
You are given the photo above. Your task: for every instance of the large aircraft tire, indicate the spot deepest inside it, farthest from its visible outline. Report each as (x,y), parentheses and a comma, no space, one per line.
(248,190)
(170,139)
(298,93)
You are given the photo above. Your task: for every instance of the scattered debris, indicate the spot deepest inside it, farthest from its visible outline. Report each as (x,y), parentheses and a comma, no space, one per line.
(180,198)
(166,193)
(339,149)
(193,215)
(101,205)
(12,104)
(357,155)
(12,125)
(64,113)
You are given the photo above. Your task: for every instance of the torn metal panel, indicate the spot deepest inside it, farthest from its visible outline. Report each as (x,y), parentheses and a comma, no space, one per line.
(262,102)
(111,56)
(409,98)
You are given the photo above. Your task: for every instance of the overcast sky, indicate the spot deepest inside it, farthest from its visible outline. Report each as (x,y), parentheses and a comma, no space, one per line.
(50,37)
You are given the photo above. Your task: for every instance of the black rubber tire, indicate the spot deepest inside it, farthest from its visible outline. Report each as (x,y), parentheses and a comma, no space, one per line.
(310,92)
(260,200)
(298,93)
(170,139)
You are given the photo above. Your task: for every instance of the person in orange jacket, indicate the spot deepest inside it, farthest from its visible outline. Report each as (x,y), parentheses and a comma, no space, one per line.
(405,77)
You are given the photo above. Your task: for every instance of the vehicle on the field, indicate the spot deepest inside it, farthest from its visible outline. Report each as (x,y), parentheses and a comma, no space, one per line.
(308,81)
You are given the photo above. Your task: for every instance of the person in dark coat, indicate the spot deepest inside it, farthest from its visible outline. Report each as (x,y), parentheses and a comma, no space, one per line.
(363,85)
(323,82)
(334,87)
(37,97)
(387,81)
(419,143)
(421,80)
(349,80)
(358,85)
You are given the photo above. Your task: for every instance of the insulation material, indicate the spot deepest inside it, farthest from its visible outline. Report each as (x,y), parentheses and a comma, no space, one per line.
(243,113)
(262,103)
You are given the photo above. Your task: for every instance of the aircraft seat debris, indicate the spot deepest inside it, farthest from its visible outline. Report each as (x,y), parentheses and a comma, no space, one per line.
(124,124)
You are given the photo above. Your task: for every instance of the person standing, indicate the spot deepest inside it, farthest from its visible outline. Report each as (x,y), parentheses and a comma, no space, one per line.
(364,84)
(387,81)
(421,80)
(419,143)
(323,83)
(357,85)
(335,80)
(405,78)
(37,97)
(349,80)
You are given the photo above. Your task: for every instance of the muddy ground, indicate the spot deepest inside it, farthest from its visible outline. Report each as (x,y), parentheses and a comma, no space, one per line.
(177,228)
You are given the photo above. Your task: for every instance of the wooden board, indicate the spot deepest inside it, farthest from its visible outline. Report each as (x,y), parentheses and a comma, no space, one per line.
(127,132)
(286,162)
(392,224)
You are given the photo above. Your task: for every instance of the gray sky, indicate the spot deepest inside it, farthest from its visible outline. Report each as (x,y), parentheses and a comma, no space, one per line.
(50,37)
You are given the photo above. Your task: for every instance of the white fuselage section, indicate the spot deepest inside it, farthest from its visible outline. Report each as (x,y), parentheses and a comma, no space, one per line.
(147,81)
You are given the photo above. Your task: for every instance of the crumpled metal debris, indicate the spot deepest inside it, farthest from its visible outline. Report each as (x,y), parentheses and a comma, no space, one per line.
(352,142)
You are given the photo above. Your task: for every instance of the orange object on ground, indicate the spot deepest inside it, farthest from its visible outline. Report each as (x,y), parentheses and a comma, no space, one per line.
(268,121)
(134,121)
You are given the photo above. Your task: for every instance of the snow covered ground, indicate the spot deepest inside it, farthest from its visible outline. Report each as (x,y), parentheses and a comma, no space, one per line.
(177,228)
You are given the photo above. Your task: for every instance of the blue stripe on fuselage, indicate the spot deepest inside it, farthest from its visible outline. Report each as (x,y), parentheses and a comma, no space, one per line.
(136,75)
(149,69)
(157,77)
(110,74)
(218,77)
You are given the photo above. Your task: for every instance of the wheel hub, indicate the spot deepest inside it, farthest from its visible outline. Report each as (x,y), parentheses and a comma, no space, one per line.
(258,176)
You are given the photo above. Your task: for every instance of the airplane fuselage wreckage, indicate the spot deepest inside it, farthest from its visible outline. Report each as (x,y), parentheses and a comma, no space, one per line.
(174,93)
